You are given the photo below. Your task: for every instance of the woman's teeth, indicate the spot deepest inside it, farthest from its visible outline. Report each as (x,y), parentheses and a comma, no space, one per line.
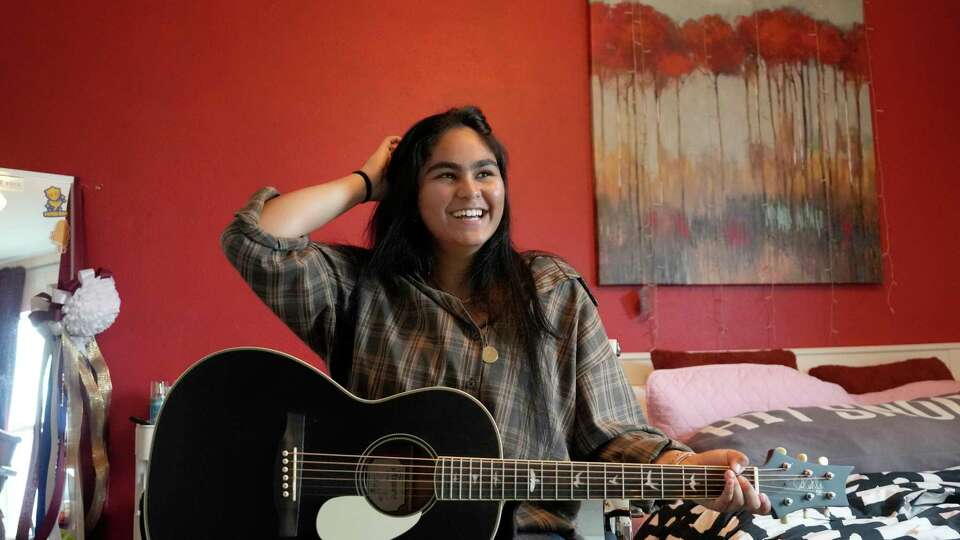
(469,213)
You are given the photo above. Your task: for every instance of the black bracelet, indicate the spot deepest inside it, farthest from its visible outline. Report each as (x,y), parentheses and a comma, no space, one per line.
(367,183)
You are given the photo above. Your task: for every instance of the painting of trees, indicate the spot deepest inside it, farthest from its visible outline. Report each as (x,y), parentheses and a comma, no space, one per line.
(733,145)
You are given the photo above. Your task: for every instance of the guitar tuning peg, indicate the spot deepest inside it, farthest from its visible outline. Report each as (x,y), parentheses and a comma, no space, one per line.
(801,457)
(780,450)
(785,520)
(823,461)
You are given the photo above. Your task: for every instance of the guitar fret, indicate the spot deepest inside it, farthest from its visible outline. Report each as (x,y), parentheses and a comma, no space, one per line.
(480,490)
(683,482)
(641,481)
(556,480)
(705,483)
(516,465)
(442,469)
(623,481)
(604,479)
(490,480)
(663,486)
(503,479)
(542,481)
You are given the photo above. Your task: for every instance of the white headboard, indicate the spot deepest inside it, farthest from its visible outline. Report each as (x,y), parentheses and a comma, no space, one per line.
(637,366)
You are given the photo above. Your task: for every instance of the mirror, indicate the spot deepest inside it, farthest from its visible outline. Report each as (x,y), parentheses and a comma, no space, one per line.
(31,205)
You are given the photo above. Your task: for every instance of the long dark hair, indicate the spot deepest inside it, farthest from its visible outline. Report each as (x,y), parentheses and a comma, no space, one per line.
(499,275)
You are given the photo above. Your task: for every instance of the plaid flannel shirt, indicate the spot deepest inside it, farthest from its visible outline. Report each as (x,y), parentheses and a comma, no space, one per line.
(426,337)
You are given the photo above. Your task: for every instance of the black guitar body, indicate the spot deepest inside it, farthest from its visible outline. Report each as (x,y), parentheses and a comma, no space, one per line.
(216,468)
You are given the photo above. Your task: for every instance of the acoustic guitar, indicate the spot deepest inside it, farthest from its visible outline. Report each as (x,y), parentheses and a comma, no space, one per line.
(252,443)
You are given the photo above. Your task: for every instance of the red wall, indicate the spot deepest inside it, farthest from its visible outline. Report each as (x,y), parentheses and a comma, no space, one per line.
(171,113)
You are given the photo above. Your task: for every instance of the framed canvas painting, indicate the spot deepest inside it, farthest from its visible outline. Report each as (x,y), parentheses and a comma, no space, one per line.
(733,142)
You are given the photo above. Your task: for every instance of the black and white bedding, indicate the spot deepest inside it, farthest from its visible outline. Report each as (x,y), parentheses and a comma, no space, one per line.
(882,506)
(914,435)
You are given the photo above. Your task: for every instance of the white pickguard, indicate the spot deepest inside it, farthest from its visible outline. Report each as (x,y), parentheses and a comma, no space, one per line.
(353,518)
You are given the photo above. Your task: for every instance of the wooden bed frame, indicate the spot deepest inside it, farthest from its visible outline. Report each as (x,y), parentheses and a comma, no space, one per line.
(637,366)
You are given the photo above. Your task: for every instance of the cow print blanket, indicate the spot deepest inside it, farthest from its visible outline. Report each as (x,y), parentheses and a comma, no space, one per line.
(881,506)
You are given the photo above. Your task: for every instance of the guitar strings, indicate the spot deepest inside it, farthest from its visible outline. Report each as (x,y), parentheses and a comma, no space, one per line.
(501,471)
(507,460)
(563,480)
(420,476)
(551,473)
(612,469)
(476,494)
(632,487)
(544,464)
(555,485)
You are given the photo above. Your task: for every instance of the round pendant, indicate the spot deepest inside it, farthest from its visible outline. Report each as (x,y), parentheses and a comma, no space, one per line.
(489,354)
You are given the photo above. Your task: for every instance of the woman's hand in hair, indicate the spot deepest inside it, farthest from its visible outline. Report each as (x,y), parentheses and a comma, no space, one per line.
(376,166)
(305,210)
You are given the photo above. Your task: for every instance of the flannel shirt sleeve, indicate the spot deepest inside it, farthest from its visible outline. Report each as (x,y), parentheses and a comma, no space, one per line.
(301,281)
(610,426)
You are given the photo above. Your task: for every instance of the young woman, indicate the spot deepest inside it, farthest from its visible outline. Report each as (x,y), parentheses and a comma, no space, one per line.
(443,298)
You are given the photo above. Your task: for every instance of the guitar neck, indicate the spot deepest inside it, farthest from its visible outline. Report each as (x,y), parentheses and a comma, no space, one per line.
(462,479)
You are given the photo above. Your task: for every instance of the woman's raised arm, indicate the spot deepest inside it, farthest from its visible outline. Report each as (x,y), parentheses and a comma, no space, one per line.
(300,212)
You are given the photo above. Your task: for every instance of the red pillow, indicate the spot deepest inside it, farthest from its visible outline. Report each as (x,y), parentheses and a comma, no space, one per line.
(865,379)
(676,359)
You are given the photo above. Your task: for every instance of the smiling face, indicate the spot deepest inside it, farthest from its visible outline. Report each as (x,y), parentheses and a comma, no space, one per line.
(461,193)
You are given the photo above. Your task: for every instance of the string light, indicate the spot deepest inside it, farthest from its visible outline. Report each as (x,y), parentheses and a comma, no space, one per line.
(721,327)
(881,195)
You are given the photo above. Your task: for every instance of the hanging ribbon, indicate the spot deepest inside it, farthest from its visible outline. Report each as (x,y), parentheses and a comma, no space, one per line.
(80,385)
(97,388)
(75,412)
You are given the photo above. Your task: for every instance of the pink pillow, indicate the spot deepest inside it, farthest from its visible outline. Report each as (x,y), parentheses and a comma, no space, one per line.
(681,401)
(914,390)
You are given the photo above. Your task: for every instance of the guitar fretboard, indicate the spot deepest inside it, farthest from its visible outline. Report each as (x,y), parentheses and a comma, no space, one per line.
(462,479)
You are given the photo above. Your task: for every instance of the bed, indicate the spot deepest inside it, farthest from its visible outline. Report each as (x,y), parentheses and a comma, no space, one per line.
(903,440)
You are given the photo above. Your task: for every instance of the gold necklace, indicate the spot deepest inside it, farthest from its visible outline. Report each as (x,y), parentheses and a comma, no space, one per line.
(489,353)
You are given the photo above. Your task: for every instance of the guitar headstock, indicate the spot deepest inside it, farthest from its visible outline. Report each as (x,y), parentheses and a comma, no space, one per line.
(795,483)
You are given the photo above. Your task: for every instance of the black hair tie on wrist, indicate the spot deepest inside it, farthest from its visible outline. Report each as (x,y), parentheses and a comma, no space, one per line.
(367,183)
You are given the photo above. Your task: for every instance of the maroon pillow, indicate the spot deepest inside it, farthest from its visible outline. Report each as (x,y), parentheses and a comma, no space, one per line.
(676,359)
(864,379)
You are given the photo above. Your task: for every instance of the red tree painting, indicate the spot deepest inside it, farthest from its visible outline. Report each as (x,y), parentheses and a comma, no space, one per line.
(735,145)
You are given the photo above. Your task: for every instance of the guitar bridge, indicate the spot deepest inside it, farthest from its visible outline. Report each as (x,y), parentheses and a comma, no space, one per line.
(287,476)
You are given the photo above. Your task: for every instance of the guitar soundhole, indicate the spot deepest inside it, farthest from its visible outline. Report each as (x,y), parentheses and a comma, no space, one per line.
(397,476)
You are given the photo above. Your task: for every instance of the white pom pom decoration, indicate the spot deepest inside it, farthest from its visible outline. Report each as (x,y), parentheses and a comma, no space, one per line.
(93,307)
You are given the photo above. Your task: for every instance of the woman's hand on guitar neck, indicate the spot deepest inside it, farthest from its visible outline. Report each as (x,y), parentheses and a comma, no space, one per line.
(738,492)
